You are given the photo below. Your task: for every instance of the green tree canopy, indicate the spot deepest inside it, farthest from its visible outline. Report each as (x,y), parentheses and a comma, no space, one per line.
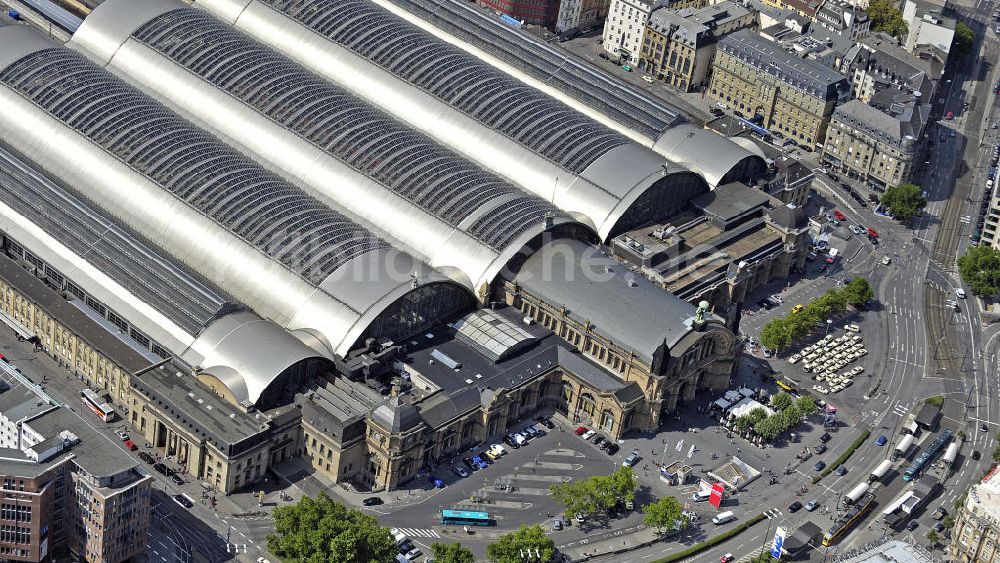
(323,531)
(858,291)
(594,494)
(904,201)
(964,38)
(451,553)
(576,496)
(980,269)
(510,547)
(664,513)
(776,334)
(781,401)
(885,16)
(625,482)
(805,405)
(933,537)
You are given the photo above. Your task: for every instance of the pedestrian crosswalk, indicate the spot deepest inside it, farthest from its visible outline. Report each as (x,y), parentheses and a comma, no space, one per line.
(772,513)
(965,219)
(900,409)
(419,532)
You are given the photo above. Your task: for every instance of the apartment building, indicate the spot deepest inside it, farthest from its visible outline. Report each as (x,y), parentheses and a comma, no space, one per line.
(927,26)
(843,18)
(67,492)
(679,45)
(625,28)
(580,14)
(976,535)
(793,97)
(804,8)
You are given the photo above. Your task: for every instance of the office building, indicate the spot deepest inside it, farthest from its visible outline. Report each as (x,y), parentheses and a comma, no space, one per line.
(976,535)
(581,15)
(790,96)
(625,29)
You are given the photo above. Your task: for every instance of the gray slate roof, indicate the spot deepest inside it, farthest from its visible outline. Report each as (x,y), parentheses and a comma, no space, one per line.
(624,307)
(810,76)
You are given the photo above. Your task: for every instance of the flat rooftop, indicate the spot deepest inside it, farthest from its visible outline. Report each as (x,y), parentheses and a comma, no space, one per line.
(195,407)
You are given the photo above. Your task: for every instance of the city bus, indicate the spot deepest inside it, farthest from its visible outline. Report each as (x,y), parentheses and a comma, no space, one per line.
(98,406)
(465,518)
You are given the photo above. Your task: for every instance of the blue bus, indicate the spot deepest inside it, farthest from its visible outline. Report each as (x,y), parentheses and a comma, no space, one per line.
(465,518)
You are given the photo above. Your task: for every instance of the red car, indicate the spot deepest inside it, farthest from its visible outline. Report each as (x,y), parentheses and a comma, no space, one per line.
(581,430)
(840,216)
(948,116)
(872,232)
(726,558)
(131,445)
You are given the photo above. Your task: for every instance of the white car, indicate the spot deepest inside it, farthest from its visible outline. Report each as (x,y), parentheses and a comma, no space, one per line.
(647,78)
(721,105)
(886,260)
(862,351)
(821,389)
(847,382)
(855,229)
(829,337)
(857,370)
(588,434)
(836,388)
(820,377)
(794,359)
(855,339)
(852,328)
(498,450)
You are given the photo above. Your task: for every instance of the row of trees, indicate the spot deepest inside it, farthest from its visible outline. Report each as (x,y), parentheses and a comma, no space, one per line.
(785,330)
(980,270)
(598,493)
(788,413)
(321,530)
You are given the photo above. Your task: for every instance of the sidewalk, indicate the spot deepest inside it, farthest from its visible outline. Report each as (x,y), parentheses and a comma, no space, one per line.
(620,544)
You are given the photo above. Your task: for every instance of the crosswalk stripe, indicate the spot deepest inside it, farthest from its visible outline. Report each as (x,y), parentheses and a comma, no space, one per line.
(420,532)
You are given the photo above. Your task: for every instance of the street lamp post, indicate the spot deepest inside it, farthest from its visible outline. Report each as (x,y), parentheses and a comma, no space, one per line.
(829,322)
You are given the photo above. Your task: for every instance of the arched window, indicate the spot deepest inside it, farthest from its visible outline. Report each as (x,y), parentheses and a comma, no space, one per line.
(587,403)
(567,391)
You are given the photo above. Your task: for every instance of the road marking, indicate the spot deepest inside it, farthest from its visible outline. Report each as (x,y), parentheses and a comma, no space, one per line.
(420,532)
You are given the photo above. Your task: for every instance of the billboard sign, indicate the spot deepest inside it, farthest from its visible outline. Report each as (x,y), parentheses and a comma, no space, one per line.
(779,540)
(718,492)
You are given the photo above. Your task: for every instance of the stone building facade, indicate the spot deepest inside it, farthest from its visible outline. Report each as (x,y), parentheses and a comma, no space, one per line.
(794,97)
(976,535)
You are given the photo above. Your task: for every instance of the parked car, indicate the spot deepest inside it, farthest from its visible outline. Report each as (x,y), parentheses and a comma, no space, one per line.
(146,457)
(460,471)
(938,528)
(510,441)
(820,466)
(482,455)
(976,455)
(611,447)
(183,501)
(939,513)
(580,431)
(812,505)
(631,460)
(795,506)
(841,471)
(177,479)
(726,558)
(479,462)
(826,437)
(470,464)
(588,434)
(122,435)
(372,501)
(160,468)
(598,440)
(545,422)
(131,445)
(881,441)
(435,482)
(557,525)
(912,525)
(819,449)
(579,517)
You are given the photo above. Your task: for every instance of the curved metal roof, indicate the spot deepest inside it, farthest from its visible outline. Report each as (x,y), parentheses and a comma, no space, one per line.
(345,152)
(515,130)
(284,254)
(246,354)
(714,157)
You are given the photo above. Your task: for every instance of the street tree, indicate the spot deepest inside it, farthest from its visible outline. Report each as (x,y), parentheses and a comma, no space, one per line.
(451,553)
(980,269)
(776,334)
(323,531)
(858,291)
(885,16)
(744,424)
(625,482)
(576,496)
(904,201)
(805,405)
(510,548)
(964,38)
(781,401)
(933,537)
(663,513)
